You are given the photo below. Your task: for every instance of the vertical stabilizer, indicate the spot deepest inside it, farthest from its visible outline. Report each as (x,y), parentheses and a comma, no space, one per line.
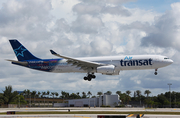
(20,51)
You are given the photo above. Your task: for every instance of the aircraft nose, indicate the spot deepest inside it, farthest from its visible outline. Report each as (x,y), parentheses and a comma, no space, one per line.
(170,61)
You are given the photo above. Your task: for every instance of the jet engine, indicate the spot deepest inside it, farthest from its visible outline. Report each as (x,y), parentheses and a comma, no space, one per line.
(109,70)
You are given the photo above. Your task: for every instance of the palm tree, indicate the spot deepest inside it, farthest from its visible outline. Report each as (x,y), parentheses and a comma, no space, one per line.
(47,93)
(25,94)
(43,94)
(56,94)
(63,94)
(78,96)
(109,92)
(99,93)
(123,98)
(138,92)
(147,92)
(89,93)
(118,92)
(83,95)
(28,92)
(67,95)
(128,92)
(53,93)
(34,94)
(8,95)
(39,93)
(128,97)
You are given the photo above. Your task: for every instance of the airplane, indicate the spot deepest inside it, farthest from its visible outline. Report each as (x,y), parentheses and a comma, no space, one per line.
(107,65)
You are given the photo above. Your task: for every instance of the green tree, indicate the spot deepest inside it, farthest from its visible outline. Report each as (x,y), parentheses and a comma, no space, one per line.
(33,94)
(78,96)
(84,95)
(39,93)
(53,93)
(128,97)
(8,96)
(63,94)
(162,99)
(25,93)
(20,98)
(147,92)
(28,93)
(43,94)
(99,93)
(138,93)
(109,92)
(93,96)
(48,93)
(56,94)
(73,96)
(89,93)
(123,98)
(118,92)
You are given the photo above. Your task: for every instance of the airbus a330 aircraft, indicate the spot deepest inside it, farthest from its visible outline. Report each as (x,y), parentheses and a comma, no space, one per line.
(108,65)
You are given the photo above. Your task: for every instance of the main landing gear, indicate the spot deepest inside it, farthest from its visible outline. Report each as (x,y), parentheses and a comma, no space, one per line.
(89,77)
(155,72)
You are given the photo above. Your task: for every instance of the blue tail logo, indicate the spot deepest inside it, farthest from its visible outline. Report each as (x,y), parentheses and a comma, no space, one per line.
(21,52)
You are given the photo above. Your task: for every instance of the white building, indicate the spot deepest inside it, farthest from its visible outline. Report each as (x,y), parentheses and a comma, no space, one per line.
(104,100)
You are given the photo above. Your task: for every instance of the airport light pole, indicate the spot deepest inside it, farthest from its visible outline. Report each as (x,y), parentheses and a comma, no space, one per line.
(170,92)
(19,102)
(30,99)
(175,99)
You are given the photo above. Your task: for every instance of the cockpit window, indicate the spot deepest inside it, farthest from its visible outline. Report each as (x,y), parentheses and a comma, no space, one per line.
(166,58)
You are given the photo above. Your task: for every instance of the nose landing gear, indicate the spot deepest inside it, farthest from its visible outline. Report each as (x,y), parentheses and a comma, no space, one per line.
(155,72)
(89,77)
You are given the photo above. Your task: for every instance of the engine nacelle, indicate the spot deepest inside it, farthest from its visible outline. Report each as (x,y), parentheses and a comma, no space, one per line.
(109,70)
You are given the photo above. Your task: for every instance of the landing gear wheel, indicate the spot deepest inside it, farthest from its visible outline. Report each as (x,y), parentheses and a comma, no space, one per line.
(93,76)
(85,78)
(89,77)
(155,72)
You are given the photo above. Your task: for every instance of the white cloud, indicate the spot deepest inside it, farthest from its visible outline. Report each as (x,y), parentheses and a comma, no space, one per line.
(88,28)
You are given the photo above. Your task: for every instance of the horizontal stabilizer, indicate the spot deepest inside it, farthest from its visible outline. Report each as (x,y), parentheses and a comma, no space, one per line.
(18,62)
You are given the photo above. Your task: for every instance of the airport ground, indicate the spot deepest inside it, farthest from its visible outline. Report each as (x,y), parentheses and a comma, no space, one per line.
(69,112)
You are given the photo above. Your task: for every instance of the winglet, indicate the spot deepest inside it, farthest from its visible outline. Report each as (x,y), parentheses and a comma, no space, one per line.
(52,52)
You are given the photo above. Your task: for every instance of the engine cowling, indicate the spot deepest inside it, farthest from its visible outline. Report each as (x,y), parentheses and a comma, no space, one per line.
(109,70)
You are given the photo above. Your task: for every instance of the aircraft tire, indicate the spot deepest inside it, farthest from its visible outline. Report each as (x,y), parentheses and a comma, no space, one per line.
(155,73)
(93,76)
(85,78)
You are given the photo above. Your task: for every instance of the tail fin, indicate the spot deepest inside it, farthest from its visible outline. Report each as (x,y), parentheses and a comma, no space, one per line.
(20,51)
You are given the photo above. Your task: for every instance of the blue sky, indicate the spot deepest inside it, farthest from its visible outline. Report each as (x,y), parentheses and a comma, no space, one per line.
(154,5)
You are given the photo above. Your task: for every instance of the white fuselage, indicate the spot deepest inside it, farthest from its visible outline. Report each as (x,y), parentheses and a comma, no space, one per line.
(132,62)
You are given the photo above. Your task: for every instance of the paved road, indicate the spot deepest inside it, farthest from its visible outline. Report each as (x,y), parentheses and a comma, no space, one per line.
(85,115)
(91,109)
(80,116)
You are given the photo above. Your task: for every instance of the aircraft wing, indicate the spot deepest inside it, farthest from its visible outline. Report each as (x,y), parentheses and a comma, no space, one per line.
(85,65)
